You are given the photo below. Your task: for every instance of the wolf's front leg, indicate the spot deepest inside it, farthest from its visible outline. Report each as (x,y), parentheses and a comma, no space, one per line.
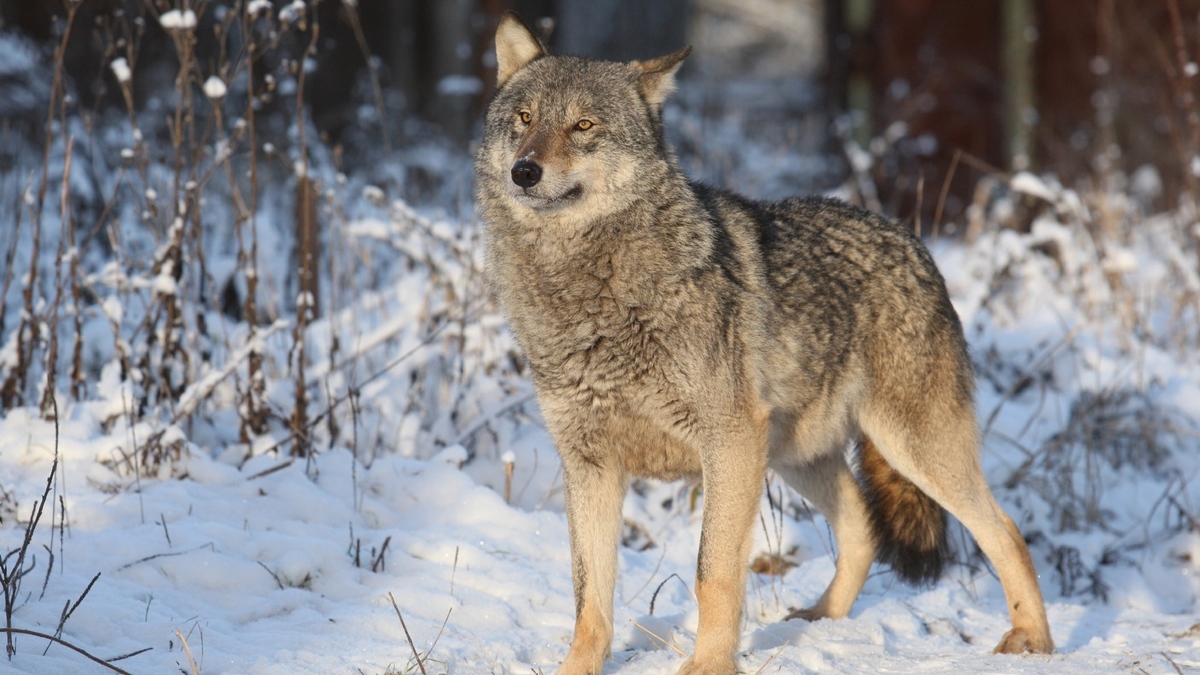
(594,487)
(733,481)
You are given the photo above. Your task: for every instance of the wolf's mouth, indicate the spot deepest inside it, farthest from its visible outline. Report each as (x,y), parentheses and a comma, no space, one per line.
(539,202)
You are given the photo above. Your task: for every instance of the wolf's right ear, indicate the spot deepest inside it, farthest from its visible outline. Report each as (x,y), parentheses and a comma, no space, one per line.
(656,77)
(516,47)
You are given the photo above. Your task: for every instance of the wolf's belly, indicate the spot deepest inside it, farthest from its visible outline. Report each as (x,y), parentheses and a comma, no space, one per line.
(648,451)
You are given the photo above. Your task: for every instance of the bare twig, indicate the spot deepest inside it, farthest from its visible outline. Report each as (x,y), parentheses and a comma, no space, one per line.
(416,654)
(941,204)
(654,597)
(656,636)
(79,650)
(376,90)
(768,661)
(1172,662)
(380,561)
(163,555)
(10,580)
(188,652)
(439,633)
(67,222)
(68,612)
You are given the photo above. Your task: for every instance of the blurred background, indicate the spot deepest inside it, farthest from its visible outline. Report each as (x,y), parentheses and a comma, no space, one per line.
(939,92)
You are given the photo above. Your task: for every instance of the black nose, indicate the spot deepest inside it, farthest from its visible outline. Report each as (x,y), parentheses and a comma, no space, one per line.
(526,173)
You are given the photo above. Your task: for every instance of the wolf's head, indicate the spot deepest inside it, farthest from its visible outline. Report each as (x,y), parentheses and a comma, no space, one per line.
(577,138)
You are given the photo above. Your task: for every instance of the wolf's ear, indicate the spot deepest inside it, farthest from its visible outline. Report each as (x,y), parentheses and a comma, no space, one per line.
(656,77)
(516,47)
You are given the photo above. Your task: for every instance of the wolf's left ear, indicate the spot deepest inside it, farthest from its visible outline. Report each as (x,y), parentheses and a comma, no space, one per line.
(516,47)
(656,77)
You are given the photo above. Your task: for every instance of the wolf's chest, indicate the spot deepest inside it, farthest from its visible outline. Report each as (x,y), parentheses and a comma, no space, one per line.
(593,343)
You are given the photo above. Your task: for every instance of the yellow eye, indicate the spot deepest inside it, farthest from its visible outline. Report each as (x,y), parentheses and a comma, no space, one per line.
(583,125)
(526,118)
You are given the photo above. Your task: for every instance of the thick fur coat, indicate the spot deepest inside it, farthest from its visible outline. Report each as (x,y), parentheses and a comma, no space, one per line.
(678,330)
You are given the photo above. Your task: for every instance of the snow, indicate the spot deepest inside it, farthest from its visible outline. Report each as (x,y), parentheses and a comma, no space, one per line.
(256,7)
(286,571)
(1030,184)
(214,87)
(175,19)
(293,12)
(120,68)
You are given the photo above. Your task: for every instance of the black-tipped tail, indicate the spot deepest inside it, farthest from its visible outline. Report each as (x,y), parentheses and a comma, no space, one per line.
(908,525)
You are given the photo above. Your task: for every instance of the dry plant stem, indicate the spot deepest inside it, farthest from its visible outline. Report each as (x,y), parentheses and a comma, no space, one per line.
(141,161)
(252,416)
(190,399)
(941,204)
(508,477)
(345,397)
(69,609)
(254,422)
(78,377)
(653,573)
(416,654)
(376,90)
(184,40)
(68,223)
(333,307)
(654,596)
(1172,662)
(356,496)
(188,653)
(68,645)
(10,579)
(1012,390)
(1186,97)
(439,633)
(9,257)
(13,390)
(185,210)
(379,564)
(305,305)
(920,205)
(772,658)
(656,636)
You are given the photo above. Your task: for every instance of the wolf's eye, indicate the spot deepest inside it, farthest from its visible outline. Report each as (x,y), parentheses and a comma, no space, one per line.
(526,118)
(583,125)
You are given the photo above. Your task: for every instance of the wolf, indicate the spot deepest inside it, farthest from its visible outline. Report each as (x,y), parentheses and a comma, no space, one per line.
(677,330)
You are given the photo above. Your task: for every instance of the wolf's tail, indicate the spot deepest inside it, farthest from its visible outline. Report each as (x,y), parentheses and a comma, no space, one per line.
(909,526)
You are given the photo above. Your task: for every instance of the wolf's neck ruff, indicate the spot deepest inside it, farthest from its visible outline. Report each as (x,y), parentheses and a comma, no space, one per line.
(679,330)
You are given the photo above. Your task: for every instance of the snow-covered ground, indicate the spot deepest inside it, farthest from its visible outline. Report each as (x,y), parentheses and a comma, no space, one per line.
(232,558)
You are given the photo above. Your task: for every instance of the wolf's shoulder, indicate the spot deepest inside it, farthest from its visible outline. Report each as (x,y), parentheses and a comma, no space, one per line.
(797,219)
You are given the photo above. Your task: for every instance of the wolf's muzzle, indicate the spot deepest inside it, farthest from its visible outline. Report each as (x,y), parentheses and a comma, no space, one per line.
(526,173)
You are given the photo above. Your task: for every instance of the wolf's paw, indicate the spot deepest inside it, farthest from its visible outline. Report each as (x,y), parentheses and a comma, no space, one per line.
(707,667)
(808,614)
(578,663)
(1022,641)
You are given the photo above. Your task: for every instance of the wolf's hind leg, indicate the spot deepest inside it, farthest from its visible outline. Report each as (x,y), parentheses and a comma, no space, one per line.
(941,456)
(828,483)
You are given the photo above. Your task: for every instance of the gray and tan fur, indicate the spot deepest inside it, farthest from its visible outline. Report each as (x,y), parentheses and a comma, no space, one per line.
(677,330)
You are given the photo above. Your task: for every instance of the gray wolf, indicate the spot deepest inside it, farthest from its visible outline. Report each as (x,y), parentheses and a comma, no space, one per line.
(677,330)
